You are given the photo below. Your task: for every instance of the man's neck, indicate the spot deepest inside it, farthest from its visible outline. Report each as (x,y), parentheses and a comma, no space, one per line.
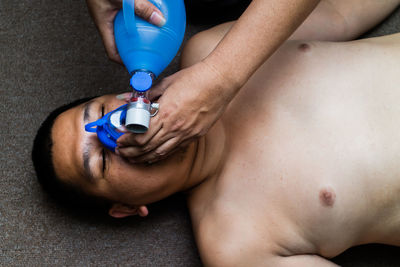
(208,158)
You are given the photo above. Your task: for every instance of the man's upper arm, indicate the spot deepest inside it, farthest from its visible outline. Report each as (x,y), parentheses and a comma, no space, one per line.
(241,258)
(301,260)
(225,242)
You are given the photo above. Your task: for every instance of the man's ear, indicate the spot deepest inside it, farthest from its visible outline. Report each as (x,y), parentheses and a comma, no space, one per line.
(143,211)
(119,210)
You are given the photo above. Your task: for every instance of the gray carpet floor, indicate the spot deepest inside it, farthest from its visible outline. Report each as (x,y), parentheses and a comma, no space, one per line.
(51,54)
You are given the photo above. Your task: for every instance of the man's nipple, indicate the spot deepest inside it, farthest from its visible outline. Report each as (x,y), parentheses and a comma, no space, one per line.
(327,197)
(304,47)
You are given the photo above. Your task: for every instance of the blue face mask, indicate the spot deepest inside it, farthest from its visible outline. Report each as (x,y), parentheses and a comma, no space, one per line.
(107,127)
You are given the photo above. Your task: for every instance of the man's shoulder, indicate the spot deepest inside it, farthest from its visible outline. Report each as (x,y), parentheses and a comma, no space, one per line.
(225,237)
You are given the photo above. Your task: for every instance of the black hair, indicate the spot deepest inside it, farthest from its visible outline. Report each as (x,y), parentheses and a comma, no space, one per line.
(68,195)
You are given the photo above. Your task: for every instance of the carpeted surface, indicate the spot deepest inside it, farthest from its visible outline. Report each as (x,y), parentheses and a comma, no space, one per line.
(51,54)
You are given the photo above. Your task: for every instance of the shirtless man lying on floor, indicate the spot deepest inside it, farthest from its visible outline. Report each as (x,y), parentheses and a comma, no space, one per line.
(303,165)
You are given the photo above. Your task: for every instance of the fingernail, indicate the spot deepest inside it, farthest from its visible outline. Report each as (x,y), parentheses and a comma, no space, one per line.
(117,151)
(157,19)
(123,96)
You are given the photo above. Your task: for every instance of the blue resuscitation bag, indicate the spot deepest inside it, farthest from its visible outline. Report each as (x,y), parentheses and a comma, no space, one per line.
(144,46)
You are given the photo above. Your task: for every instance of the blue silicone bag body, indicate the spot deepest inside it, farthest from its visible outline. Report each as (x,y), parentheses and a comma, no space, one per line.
(143,46)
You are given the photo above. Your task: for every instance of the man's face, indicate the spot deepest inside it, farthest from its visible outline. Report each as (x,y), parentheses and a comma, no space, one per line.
(80,159)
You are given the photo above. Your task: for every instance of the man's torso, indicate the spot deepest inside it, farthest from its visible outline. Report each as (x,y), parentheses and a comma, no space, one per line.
(314,150)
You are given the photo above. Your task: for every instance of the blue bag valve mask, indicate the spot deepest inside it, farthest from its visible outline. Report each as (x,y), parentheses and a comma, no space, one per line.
(145,50)
(107,127)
